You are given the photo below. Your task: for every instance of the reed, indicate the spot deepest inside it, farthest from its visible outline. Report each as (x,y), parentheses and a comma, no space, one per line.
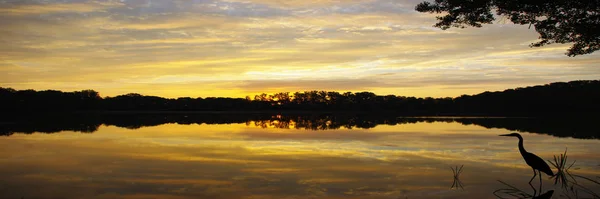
(569,181)
(562,175)
(456,172)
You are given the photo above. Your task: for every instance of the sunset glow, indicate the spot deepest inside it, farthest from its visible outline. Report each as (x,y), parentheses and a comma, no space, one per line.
(234,48)
(246,161)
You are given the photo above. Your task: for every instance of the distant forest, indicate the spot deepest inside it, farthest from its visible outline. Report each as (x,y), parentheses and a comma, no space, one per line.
(573,98)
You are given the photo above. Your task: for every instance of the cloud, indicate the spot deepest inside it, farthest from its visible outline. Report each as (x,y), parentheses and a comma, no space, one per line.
(23,8)
(306,85)
(242,46)
(300,4)
(235,161)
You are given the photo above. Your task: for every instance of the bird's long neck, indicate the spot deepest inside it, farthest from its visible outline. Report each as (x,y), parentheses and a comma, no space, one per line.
(521,148)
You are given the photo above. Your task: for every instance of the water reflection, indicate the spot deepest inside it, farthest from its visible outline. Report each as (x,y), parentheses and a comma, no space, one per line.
(239,160)
(88,123)
(568,183)
(576,190)
(456,171)
(512,192)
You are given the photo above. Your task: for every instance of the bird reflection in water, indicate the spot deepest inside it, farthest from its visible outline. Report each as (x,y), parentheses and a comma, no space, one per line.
(568,181)
(512,192)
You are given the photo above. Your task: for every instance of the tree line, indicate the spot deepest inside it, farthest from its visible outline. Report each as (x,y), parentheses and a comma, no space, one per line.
(575,97)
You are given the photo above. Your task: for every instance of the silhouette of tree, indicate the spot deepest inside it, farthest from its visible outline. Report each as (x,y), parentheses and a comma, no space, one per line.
(557,21)
(576,127)
(572,98)
(262,97)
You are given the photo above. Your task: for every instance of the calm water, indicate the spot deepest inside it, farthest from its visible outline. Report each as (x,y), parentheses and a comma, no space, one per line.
(281,158)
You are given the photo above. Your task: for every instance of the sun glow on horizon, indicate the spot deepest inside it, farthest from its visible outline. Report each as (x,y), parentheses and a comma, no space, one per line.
(242,48)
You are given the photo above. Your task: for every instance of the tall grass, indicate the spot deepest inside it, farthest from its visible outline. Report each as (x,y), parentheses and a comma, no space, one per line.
(562,174)
(567,180)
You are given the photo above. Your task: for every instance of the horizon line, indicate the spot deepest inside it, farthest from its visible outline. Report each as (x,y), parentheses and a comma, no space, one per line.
(341,92)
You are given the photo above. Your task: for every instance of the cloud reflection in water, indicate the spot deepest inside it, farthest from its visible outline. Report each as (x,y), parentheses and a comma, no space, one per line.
(243,161)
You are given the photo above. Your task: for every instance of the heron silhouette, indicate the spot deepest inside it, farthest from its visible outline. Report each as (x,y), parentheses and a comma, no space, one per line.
(534,161)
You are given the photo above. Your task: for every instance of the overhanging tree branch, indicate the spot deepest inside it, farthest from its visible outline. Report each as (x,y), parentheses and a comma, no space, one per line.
(557,21)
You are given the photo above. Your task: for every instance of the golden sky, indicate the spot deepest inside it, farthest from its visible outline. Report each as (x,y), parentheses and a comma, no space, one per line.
(235,48)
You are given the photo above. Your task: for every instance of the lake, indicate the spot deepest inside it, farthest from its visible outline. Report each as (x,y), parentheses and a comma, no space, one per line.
(287,156)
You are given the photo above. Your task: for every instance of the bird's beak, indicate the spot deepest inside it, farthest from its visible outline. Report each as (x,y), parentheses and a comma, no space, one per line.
(504,135)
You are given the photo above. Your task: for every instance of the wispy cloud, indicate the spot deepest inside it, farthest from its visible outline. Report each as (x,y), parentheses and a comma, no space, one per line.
(23,8)
(240,47)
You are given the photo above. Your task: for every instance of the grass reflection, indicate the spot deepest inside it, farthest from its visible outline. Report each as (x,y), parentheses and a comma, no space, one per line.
(562,167)
(573,186)
(456,173)
(512,192)
(568,181)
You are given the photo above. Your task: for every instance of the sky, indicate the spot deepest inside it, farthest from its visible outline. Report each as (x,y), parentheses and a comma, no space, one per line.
(235,48)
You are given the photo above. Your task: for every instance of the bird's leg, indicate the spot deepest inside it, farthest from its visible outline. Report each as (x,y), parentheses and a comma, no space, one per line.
(534,191)
(532,187)
(540,174)
(534,174)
